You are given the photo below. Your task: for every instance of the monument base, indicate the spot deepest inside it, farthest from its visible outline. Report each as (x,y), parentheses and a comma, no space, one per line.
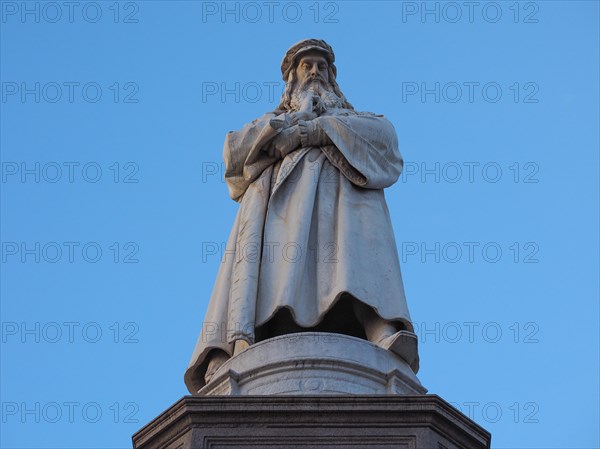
(314,390)
(316,421)
(315,363)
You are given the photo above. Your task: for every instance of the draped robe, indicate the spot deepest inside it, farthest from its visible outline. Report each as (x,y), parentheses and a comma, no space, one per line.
(311,227)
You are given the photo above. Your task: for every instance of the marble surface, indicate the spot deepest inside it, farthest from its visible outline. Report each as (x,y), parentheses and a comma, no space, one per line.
(314,363)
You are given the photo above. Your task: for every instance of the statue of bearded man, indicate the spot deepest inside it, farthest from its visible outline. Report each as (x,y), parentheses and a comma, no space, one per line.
(312,247)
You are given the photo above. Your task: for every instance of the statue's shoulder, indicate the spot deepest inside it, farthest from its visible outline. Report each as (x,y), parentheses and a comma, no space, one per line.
(371,119)
(267,116)
(381,118)
(343,112)
(370,114)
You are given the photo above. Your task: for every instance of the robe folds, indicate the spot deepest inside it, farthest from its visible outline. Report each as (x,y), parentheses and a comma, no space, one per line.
(310,227)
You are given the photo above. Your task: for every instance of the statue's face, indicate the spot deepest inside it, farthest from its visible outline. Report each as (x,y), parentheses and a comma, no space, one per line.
(311,67)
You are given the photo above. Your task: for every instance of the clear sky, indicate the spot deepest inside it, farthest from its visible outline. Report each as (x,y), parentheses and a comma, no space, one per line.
(114,207)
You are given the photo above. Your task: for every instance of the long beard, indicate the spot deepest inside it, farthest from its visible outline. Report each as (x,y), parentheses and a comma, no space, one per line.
(327,98)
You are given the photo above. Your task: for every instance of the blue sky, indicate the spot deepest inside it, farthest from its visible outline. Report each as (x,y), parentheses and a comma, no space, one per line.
(113,117)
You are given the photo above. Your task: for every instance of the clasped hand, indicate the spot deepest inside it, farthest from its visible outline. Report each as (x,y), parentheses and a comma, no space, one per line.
(288,138)
(283,143)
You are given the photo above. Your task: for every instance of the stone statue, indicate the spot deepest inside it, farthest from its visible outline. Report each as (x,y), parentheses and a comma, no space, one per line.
(312,247)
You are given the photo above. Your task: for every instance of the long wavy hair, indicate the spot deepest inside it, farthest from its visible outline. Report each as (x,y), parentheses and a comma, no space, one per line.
(286,99)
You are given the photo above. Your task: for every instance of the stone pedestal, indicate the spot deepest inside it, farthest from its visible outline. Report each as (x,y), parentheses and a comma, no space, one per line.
(314,363)
(315,421)
(313,390)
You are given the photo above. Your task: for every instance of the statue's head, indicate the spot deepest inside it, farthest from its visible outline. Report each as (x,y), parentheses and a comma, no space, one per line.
(309,66)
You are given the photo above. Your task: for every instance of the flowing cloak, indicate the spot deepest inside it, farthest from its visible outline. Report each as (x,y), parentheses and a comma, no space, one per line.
(310,228)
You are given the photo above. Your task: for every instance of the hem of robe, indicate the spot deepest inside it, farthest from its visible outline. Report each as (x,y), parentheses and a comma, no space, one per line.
(405,320)
(194,375)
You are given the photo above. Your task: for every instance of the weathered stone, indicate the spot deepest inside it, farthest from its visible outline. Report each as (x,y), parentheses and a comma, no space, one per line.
(309,176)
(324,422)
(313,229)
(314,363)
